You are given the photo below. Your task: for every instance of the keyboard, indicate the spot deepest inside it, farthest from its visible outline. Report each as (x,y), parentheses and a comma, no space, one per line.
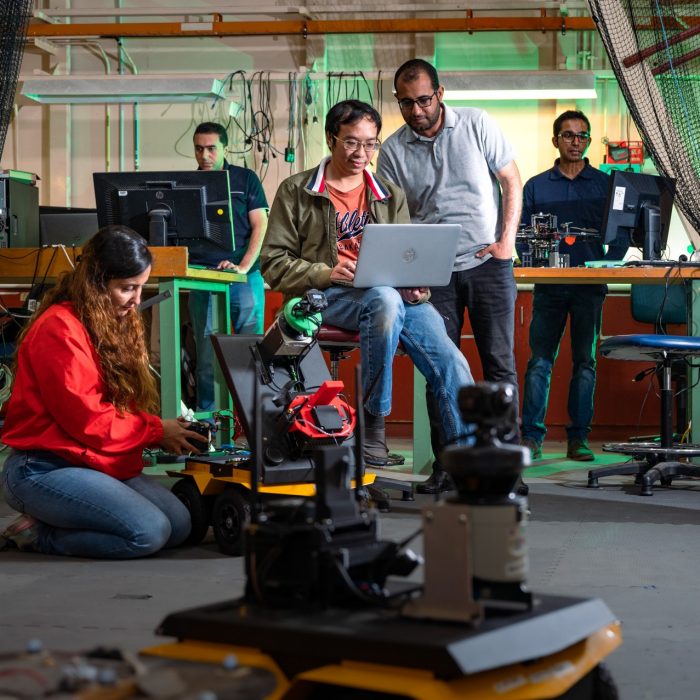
(662,263)
(213,268)
(604,263)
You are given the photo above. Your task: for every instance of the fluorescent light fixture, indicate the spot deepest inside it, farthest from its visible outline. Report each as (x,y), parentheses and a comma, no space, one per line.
(519,85)
(116,89)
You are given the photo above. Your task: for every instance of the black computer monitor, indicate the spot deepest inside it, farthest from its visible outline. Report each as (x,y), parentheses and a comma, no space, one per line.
(66,226)
(638,211)
(190,208)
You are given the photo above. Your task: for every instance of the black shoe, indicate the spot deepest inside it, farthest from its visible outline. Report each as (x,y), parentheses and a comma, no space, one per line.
(439,482)
(391,459)
(521,488)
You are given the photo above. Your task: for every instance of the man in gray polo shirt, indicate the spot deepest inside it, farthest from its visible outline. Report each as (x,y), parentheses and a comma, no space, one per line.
(456,166)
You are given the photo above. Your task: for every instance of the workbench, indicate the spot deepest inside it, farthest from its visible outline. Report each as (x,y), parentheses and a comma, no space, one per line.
(422,452)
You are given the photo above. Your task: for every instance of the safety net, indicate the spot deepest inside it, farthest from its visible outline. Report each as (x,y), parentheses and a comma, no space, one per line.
(654,49)
(14,20)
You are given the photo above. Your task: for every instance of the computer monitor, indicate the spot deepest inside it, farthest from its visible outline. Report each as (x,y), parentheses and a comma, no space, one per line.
(190,208)
(64,226)
(638,211)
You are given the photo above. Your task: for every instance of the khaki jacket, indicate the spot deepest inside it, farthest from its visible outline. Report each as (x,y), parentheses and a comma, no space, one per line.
(300,248)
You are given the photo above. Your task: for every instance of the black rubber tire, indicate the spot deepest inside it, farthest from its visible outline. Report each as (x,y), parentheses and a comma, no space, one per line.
(231,515)
(604,687)
(200,508)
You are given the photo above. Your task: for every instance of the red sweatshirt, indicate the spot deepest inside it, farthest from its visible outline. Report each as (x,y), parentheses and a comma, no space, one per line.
(58,402)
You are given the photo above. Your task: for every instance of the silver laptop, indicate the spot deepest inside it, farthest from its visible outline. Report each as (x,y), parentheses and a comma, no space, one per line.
(406,255)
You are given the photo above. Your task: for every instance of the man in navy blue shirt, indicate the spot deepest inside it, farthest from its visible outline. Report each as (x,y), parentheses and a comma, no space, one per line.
(576,193)
(249,224)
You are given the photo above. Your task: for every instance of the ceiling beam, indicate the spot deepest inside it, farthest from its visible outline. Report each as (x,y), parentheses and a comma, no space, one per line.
(307,27)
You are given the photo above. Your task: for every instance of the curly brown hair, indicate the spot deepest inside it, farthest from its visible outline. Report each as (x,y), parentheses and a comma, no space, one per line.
(114,252)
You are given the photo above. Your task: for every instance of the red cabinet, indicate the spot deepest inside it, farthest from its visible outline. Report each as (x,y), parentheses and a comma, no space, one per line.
(622,407)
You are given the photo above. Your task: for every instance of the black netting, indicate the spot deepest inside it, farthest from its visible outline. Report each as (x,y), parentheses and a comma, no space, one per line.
(14,20)
(654,48)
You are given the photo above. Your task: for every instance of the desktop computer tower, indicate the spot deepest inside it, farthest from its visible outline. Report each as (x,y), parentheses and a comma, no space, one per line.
(19,210)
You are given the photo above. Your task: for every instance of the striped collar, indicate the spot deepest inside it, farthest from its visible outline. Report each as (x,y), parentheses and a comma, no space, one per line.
(317,181)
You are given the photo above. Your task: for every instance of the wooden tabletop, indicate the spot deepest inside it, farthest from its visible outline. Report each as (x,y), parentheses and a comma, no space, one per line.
(21,265)
(603,275)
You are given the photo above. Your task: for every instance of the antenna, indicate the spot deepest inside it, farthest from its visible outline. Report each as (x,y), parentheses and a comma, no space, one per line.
(257,463)
(359,434)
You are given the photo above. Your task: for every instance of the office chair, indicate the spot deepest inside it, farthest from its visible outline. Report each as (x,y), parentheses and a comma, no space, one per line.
(662,306)
(656,460)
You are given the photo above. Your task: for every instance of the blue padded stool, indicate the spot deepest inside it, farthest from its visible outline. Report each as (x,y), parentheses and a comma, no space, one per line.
(654,461)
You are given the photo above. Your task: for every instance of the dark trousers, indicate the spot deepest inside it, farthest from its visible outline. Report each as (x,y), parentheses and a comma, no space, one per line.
(552,304)
(488,294)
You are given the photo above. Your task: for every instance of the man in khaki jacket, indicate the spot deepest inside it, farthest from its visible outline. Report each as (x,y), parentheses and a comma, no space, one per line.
(313,238)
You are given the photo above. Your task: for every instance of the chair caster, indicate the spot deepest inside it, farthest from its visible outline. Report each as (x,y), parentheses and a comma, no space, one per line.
(593,482)
(380,498)
(646,489)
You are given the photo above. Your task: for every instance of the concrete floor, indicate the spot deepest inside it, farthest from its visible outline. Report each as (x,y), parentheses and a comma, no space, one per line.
(640,555)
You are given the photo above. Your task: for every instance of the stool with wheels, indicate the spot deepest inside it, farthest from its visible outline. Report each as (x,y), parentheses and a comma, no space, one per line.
(338,343)
(665,460)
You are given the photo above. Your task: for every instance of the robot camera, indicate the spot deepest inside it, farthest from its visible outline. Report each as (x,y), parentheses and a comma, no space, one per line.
(487,471)
(312,302)
(491,408)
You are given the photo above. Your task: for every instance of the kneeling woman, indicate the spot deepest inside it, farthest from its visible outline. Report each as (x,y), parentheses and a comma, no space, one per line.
(83,408)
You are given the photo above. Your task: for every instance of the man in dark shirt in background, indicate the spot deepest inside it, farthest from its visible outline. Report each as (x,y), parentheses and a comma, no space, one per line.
(249,224)
(576,193)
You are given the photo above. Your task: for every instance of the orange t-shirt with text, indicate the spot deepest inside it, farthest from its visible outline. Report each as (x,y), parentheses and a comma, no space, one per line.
(351,216)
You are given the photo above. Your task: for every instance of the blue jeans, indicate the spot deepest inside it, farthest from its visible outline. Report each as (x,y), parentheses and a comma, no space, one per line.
(383,320)
(247,304)
(583,304)
(85,513)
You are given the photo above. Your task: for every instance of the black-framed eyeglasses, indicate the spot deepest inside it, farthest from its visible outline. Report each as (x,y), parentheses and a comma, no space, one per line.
(569,136)
(351,145)
(406,104)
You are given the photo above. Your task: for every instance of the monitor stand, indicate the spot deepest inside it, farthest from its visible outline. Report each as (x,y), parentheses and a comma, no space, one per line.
(652,232)
(158,226)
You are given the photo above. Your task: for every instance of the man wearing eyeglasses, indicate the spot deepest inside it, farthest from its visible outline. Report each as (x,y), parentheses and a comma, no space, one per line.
(247,300)
(574,192)
(456,166)
(313,239)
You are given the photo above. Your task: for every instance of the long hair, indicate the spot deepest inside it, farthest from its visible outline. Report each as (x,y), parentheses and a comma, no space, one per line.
(114,252)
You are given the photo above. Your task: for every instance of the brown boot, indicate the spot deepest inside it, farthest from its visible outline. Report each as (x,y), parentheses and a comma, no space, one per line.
(579,451)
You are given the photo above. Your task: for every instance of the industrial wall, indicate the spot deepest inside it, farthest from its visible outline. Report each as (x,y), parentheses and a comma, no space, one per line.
(64,144)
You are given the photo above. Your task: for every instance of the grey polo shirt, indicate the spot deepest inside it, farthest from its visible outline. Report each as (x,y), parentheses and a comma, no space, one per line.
(449,179)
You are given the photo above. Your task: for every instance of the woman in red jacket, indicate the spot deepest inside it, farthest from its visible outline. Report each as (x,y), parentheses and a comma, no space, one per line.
(83,407)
